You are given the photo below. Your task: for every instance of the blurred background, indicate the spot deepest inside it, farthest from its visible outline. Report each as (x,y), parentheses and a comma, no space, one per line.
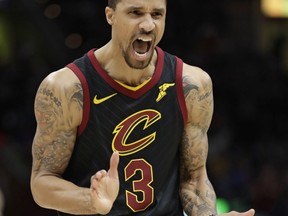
(242,44)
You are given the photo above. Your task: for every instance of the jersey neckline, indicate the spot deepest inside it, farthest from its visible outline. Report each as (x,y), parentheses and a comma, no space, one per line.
(120,88)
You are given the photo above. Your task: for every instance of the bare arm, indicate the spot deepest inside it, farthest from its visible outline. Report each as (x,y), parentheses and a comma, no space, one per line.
(58,111)
(196,191)
(197,194)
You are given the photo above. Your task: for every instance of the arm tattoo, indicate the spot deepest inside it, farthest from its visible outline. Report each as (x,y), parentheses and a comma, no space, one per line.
(197,193)
(47,110)
(54,156)
(188,87)
(193,153)
(54,140)
(78,95)
(49,94)
(187,203)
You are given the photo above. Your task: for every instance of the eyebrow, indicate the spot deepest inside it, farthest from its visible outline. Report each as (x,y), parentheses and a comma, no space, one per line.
(159,10)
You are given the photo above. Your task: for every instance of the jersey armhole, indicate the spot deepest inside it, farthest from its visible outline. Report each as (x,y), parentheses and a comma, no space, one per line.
(180,92)
(86,97)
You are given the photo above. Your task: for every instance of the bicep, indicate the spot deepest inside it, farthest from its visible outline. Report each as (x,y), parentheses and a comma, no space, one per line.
(52,157)
(199,102)
(55,134)
(194,152)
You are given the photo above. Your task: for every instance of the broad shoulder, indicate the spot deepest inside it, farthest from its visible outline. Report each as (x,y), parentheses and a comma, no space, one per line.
(198,92)
(61,92)
(62,83)
(196,76)
(62,78)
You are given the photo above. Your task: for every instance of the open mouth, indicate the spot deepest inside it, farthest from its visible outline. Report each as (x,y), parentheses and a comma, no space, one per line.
(142,45)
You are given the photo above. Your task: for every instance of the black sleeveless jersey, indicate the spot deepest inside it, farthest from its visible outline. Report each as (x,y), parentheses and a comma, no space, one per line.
(144,124)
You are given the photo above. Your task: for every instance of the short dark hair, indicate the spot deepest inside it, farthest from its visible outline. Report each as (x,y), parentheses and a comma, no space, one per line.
(113,3)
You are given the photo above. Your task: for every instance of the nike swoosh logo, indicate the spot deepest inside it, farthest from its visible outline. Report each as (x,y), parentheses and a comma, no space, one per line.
(101,100)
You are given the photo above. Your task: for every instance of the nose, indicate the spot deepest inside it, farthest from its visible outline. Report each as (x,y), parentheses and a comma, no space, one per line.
(147,24)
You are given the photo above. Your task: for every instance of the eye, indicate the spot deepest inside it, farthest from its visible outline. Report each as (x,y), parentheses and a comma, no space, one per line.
(135,13)
(156,15)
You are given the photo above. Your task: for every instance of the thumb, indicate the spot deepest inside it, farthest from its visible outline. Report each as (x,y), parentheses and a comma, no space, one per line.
(114,161)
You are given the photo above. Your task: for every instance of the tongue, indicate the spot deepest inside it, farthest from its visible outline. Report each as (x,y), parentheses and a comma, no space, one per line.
(140,47)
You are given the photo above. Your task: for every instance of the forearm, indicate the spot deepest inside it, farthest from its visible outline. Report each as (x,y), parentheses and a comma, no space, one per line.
(198,197)
(55,193)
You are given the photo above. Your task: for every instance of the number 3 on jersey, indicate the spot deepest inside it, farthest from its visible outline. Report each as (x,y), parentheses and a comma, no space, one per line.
(141,185)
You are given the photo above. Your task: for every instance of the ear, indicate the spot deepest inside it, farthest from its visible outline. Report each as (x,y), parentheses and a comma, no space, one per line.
(109,12)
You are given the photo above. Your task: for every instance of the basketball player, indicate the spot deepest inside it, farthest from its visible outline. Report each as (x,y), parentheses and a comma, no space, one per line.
(123,129)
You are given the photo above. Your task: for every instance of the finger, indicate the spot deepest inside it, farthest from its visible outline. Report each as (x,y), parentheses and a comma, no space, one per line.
(251,212)
(98,175)
(97,178)
(114,161)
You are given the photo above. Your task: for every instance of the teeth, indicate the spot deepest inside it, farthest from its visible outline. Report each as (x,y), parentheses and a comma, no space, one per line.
(144,39)
(141,55)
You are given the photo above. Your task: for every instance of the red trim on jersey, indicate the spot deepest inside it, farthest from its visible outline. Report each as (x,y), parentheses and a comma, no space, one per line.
(86,97)
(180,92)
(128,92)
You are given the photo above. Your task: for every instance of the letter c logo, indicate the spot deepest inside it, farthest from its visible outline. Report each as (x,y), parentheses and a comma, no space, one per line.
(124,129)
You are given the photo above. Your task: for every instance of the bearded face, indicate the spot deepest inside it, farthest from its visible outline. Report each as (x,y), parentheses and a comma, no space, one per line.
(137,27)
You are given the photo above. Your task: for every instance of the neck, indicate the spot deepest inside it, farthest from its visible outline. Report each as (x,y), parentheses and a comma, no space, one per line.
(113,62)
